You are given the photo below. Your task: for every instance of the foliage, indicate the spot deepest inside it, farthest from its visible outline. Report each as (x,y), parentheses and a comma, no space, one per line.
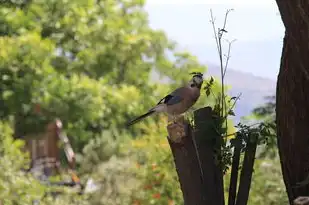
(149,163)
(98,150)
(267,111)
(15,185)
(89,63)
(78,61)
(264,132)
(267,115)
(66,59)
(18,186)
(267,187)
(117,182)
(156,168)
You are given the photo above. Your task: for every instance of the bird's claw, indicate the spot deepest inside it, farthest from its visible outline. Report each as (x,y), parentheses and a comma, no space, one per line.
(171,123)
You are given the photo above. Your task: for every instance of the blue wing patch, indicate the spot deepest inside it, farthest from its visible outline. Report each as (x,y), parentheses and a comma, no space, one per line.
(165,99)
(174,100)
(170,100)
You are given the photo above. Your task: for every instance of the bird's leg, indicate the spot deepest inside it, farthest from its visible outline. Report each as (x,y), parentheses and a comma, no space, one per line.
(175,119)
(171,119)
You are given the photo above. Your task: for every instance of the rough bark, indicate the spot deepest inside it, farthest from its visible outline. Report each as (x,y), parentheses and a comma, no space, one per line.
(292,103)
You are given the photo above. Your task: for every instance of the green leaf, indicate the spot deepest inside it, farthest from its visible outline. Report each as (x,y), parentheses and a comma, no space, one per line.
(207,92)
(231,112)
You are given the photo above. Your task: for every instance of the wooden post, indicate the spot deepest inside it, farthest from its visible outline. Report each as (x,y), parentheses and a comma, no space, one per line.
(246,172)
(234,172)
(187,163)
(195,150)
(208,144)
(197,155)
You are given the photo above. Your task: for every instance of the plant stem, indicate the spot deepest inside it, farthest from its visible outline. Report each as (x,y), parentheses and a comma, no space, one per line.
(218,37)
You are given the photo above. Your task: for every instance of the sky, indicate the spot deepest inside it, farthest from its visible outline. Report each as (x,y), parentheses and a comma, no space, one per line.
(255,24)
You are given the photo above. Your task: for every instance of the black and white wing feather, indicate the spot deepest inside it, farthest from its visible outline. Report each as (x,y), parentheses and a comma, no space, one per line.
(170,99)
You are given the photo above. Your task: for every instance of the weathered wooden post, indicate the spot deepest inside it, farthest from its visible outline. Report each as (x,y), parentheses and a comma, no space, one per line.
(247,170)
(187,164)
(195,151)
(234,172)
(198,160)
(208,144)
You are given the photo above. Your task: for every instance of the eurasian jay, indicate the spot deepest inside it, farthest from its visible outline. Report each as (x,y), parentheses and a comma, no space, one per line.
(178,101)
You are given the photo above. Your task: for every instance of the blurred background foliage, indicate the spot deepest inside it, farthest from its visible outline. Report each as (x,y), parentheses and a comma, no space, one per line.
(90,64)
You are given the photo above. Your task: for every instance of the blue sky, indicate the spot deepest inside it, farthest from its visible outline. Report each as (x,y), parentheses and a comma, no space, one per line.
(256,24)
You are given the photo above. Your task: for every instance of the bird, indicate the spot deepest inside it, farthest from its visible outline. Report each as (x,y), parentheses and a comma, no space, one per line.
(178,101)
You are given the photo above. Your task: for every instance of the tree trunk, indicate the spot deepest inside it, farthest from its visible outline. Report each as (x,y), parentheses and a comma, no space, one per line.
(293,97)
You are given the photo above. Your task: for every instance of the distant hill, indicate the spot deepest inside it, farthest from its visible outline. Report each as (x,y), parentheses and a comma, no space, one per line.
(253,88)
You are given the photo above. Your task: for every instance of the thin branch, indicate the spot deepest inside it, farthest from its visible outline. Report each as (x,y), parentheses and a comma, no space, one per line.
(228,56)
(233,105)
(225,19)
(212,21)
(218,38)
(220,34)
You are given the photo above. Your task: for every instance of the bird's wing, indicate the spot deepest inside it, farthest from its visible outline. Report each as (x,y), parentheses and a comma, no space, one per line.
(172,98)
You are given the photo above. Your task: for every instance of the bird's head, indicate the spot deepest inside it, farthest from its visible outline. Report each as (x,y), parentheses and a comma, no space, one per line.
(197,80)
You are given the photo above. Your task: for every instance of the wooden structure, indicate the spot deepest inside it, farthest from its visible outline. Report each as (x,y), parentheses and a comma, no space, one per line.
(197,156)
(45,149)
(200,178)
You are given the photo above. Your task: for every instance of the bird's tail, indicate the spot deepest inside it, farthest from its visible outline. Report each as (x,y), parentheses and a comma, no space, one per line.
(141,117)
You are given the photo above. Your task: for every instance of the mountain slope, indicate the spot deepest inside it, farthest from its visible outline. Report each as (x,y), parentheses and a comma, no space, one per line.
(253,88)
